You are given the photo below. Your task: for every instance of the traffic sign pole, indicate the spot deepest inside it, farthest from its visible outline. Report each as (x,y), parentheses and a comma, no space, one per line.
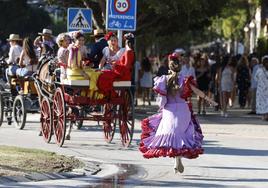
(120,38)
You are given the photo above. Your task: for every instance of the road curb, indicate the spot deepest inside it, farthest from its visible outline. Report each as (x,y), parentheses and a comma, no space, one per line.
(90,168)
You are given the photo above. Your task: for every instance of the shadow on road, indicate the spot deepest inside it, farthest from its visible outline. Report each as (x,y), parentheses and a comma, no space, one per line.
(234,151)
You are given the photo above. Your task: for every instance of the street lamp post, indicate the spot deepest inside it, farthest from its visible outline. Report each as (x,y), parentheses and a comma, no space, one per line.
(246,30)
(252,36)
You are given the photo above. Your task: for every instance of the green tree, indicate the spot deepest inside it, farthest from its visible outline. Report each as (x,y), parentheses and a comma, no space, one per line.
(160,21)
(21,18)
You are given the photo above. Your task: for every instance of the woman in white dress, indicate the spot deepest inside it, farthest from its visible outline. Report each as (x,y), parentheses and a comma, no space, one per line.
(226,82)
(111,53)
(262,89)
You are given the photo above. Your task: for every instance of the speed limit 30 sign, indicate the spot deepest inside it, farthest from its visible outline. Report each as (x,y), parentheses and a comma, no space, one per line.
(121,6)
(121,15)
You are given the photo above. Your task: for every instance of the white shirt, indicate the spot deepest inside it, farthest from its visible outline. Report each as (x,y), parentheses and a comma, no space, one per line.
(111,58)
(26,62)
(187,71)
(14,54)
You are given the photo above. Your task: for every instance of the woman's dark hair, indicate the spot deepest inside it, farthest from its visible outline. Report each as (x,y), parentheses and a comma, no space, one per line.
(225,61)
(172,83)
(28,48)
(129,37)
(146,65)
(77,35)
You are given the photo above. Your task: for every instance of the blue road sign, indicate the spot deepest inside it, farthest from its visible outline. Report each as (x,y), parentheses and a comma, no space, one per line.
(121,15)
(79,19)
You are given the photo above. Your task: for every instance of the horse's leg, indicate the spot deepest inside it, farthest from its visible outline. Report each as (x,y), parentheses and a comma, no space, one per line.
(68,136)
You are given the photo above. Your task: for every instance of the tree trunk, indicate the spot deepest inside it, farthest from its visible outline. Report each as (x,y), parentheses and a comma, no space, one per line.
(103,9)
(95,23)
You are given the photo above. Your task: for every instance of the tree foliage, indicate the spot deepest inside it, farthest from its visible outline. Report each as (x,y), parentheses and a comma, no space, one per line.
(171,22)
(18,17)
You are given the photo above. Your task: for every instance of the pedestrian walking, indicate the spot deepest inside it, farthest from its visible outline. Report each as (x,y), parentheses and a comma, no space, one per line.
(213,84)
(262,89)
(243,80)
(253,85)
(146,80)
(174,131)
(226,81)
(203,79)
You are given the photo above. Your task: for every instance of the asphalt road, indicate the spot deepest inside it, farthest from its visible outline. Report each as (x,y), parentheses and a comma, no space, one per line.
(236,153)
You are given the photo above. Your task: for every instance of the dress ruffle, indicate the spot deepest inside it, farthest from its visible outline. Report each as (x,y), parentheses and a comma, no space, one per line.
(160,85)
(149,131)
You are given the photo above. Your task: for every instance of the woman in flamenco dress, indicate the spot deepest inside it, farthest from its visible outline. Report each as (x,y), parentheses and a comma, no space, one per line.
(174,131)
(121,69)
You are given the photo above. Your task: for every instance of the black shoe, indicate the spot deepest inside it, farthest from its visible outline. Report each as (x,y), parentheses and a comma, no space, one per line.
(252,113)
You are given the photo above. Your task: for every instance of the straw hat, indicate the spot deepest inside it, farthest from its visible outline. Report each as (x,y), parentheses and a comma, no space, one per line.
(98,32)
(14,37)
(46,32)
(179,51)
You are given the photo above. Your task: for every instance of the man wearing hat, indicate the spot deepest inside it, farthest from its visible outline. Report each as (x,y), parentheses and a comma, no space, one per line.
(96,51)
(45,42)
(13,55)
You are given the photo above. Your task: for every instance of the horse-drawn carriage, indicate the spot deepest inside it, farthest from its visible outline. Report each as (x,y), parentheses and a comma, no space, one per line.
(62,105)
(18,99)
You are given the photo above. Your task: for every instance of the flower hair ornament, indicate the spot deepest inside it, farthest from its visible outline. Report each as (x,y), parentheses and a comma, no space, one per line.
(173,57)
(109,35)
(128,36)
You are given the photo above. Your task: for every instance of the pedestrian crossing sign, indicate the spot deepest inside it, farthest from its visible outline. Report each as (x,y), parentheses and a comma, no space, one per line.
(79,19)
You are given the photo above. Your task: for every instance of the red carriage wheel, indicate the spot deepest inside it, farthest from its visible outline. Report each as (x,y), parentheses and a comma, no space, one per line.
(109,125)
(126,120)
(59,117)
(46,119)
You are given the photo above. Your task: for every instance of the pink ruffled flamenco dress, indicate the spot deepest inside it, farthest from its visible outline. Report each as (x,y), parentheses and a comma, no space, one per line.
(174,131)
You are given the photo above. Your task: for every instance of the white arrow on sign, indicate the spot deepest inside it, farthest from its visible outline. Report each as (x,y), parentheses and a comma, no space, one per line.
(79,22)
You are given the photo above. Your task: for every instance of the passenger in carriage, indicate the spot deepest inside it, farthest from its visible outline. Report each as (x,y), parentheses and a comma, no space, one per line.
(111,53)
(45,43)
(79,42)
(77,53)
(95,54)
(121,69)
(63,42)
(124,66)
(13,55)
(28,59)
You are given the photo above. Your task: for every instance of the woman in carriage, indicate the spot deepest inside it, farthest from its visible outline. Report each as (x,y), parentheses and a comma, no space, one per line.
(63,53)
(28,60)
(121,69)
(111,53)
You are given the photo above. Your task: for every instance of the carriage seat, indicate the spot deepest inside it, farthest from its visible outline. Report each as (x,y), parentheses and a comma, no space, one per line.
(23,79)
